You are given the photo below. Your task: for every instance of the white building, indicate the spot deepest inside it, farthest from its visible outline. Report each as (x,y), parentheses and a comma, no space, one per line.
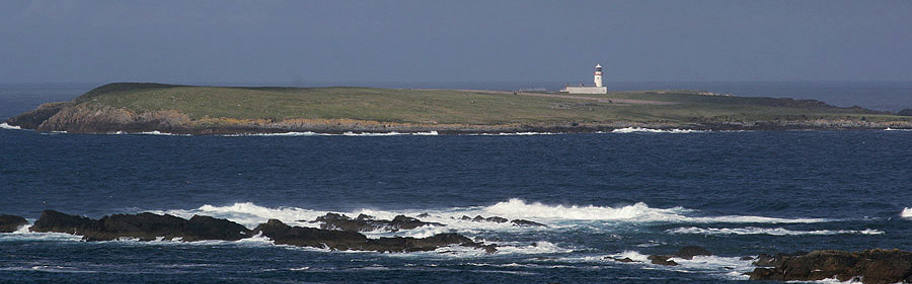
(598,89)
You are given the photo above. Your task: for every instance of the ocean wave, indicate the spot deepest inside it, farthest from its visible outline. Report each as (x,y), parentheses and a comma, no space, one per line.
(768,231)
(906,213)
(23,233)
(638,212)
(154,132)
(651,130)
(721,266)
(4,125)
(430,133)
(556,217)
(898,129)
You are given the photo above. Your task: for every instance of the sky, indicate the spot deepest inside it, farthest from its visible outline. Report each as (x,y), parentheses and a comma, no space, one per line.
(453,41)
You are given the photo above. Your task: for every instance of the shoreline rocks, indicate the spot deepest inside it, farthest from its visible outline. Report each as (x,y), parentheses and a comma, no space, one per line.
(281,233)
(11,223)
(367,223)
(686,252)
(143,226)
(150,226)
(498,219)
(876,266)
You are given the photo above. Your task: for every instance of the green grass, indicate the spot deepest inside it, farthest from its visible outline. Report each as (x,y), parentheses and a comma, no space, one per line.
(451,106)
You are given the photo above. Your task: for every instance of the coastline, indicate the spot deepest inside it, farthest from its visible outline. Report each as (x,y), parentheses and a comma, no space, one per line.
(149,107)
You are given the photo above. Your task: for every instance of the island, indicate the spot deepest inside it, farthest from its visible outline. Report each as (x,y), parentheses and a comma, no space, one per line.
(201,110)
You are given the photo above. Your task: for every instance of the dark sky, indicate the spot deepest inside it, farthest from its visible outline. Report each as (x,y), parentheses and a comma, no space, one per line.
(451,41)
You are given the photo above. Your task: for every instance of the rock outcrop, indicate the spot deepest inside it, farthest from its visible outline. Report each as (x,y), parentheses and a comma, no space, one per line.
(367,223)
(498,219)
(687,252)
(870,266)
(143,226)
(34,118)
(93,118)
(662,260)
(281,233)
(150,226)
(11,223)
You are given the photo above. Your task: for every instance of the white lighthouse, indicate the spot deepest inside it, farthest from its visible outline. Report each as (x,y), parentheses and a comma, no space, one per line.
(598,75)
(581,89)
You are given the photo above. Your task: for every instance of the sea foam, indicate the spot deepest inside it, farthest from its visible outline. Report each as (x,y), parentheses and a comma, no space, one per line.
(556,217)
(638,212)
(4,125)
(768,231)
(721,266)
(906,213)
(651,130)
(361,134)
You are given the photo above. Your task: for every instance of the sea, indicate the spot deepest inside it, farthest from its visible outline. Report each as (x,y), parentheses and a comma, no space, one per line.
(623,194)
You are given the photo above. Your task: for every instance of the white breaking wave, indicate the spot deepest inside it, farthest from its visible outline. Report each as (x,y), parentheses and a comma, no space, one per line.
(515,133)
(906,213)
(898,129)
(310,133)
(555,216)
(639,212)
(431,133)
(768,231)
(650,130)
(154,132)
(7,126)
(293,133)
(724,267)
(23,233)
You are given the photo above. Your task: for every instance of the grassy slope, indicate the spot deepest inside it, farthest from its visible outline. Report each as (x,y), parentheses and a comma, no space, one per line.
(450,106)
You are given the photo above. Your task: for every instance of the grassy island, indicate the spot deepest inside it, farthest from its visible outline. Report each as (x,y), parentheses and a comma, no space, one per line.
(217,110)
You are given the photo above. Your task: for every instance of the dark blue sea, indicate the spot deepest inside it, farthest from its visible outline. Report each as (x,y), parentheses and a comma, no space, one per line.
(606,195)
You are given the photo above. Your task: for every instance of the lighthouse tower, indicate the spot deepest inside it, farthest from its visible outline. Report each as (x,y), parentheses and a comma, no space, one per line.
(598,75)
(598,89)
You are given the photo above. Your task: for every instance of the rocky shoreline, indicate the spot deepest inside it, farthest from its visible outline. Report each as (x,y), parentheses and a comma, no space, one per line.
(84,118)
(342,233)
(149,226)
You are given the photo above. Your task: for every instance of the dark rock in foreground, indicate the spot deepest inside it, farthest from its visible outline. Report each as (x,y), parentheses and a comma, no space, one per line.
(625,260)
(689,252)
(367,223)
(870,266)
(662,260)
(281,233)
(143,226)
(150,226)
(498,219)
(11,223)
